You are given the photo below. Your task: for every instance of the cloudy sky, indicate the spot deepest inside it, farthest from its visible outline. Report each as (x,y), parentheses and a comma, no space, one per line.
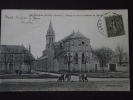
(20,27)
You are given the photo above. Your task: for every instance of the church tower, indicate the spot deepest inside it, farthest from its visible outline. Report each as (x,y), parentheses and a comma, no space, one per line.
(50,37)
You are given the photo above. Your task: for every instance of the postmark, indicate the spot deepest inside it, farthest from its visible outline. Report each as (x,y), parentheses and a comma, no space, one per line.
(111,25)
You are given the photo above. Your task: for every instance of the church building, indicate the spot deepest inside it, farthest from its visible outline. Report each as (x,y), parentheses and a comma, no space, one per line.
(72,53)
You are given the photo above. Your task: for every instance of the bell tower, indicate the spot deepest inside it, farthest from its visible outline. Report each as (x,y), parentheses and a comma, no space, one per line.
(50,37)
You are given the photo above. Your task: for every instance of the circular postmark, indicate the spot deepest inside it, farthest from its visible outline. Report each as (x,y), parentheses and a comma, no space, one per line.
(110,25)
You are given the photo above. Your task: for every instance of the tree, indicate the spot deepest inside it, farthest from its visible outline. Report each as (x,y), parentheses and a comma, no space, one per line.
(28,60)
(104,55)
(119,53)
(86,61)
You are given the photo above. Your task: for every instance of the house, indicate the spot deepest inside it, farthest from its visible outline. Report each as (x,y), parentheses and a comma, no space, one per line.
(14,57)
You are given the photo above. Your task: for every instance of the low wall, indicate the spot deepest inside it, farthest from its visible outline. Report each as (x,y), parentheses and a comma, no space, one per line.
(123,68)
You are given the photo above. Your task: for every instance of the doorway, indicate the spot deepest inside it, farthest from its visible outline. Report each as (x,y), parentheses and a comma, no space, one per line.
(95,67)
(11,67)
(112,67)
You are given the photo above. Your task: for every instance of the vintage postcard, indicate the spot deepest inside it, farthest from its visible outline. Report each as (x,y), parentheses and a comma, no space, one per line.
(64,50)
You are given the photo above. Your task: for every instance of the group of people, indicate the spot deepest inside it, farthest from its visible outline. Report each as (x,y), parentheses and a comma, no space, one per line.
(64,77)
(83,77)
(67,77)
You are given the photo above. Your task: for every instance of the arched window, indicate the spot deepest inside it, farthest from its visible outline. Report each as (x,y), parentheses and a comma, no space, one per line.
(67,45)
(52,39)
(83,42)
(76,58)
(72,43)
(79,43)
(10,58)
(49,39)
(87,43)
(83,58)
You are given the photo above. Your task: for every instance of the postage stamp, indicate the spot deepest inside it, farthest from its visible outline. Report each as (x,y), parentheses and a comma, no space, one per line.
(114,25)
(111,25)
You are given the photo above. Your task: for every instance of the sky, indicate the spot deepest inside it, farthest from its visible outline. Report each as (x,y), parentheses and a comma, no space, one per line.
(21,27)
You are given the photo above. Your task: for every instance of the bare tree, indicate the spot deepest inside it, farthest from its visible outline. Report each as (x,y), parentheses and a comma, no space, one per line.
(119,53)
(28,59)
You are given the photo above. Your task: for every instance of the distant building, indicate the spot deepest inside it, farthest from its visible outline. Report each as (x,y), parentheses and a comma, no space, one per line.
(114,64)
(14,57)
(72,53)
(125,59)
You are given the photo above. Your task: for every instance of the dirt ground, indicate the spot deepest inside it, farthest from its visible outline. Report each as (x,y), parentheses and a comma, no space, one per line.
(121,85)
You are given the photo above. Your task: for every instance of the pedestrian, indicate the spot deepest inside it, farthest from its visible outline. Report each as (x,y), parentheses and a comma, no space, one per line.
(66,77)
(80,75)
(85,77)
(63,77)
(69,77)
(59,79)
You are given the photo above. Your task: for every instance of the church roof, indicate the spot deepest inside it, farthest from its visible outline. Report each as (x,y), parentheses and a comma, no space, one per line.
(43,57)
(60,54)
(13,49)
(67,37)
(72,36)
(78,35)
(55,44)
(50,30)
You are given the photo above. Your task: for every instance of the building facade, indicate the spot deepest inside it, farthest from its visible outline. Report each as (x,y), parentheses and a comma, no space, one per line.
(72,53)
(16,57)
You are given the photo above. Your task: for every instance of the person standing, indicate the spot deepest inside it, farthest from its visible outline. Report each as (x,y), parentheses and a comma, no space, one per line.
(69,77)
(85,77)
(66,77)
(80,75)
(63,77)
